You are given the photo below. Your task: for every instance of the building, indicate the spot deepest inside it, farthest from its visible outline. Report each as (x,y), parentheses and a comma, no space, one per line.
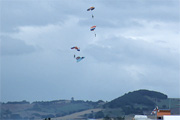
(171,117)
(161,113)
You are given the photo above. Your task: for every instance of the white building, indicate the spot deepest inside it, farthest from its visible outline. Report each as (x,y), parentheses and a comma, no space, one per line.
(171,117)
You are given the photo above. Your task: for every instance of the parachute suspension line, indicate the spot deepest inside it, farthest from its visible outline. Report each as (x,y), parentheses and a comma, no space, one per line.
(92,16)
(93,22)
(94,34)
(91,9)
(92,12)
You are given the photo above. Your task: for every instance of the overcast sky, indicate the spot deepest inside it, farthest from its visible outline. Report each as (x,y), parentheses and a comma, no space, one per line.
(136,47)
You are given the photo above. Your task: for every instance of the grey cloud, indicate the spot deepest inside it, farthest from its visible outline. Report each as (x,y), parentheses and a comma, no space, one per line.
(10,46)
(123,13)
(109,23)
(16,13)
(128,51)
(104,61)
(135,9)
(19,13)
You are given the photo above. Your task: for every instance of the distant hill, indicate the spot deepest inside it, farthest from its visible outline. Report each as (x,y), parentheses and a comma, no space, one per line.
(140,97)
(136,102)
(44,109)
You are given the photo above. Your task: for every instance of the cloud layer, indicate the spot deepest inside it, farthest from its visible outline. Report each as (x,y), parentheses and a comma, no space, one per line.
(136,47)
(11,46)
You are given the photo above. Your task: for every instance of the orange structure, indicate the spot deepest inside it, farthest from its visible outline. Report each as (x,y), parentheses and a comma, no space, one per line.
(160,113)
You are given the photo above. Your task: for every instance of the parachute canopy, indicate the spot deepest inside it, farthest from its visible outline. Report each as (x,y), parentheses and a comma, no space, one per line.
(75,47)
(91,8)
(92,28)
(79,58)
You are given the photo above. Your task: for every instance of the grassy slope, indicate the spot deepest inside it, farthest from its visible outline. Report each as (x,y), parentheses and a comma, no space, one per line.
(39,110)
(77,115)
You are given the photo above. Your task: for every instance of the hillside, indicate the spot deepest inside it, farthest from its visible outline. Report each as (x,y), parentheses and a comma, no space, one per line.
(136,102)
(48,109)
(139,102)
(140,97)
(78,115)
